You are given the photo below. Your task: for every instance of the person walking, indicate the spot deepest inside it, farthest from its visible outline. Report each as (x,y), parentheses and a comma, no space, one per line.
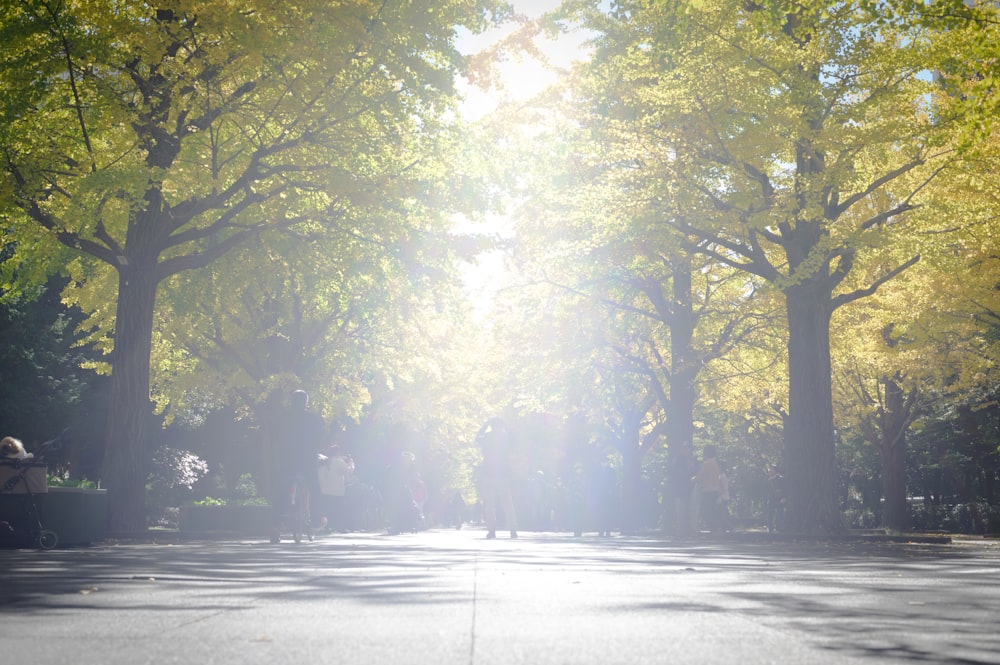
(334,467)
(775,499)
(302,437)
(402,513)
(708,485)
(682,467)
(606,498)
(496,442)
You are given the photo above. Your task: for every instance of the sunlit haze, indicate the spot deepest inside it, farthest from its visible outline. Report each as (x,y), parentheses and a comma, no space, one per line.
(519,79)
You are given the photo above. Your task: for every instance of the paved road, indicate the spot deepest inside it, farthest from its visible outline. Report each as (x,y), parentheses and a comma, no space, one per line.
(452,597)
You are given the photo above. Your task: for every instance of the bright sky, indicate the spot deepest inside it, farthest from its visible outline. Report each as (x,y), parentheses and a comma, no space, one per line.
(520,79)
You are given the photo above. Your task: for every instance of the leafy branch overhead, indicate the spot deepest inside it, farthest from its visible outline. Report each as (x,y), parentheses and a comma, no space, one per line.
(154,140)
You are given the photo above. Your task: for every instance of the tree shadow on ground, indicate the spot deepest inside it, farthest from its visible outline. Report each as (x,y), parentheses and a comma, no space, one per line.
(855,598)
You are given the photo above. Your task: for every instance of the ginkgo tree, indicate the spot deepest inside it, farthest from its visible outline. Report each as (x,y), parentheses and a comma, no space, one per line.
(612,318)
(926,340)
(784,127)
(141,140)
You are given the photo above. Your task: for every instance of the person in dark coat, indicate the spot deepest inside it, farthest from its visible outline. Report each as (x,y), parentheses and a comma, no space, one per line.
(302,437)
(496,442)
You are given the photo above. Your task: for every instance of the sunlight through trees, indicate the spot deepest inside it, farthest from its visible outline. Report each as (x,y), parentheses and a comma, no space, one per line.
(630,228)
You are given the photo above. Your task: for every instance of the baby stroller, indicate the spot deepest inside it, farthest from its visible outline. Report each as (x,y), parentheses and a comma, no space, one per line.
(20,519)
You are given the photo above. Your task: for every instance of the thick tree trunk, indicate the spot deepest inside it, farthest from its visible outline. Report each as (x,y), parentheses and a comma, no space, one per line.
(632,456)
(684,363)
(892,452)
(684,367)
(268,439)
(676,518)
(128,421)
(809,436)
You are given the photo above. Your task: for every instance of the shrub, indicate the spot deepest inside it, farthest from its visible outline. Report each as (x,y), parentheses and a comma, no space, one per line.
(172,475)
(56,480)
(243,494)
(973,518)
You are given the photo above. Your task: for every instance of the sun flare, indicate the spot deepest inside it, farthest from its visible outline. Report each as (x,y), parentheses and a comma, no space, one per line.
(516,79)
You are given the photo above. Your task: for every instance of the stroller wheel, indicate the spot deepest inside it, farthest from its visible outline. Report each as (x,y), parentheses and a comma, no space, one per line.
(47,540)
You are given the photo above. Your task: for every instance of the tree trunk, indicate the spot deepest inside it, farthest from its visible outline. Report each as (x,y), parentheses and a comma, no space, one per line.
(684,367)
(892,453)
(809,437)
(632,456)
(676,518)
(129,411)
(268,440)
(684,361)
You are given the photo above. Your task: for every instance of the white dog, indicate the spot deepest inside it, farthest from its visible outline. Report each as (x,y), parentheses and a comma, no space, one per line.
(11,448)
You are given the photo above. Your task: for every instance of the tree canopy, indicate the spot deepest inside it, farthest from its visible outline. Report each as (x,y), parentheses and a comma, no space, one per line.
(730,219)
(793,142)
(143,140)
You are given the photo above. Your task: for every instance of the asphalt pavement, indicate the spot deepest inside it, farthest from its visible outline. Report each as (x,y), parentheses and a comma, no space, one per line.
(454,597)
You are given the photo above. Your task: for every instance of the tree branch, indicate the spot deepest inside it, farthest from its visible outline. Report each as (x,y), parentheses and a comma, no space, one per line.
(846,298)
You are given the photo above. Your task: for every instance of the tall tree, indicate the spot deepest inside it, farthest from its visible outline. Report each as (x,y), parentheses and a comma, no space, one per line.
(924,340)
(152,138)
(778,123)
(44,388)
(623,317)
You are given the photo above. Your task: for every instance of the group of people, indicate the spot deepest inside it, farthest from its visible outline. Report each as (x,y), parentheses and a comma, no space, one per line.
(587,497)
(699,496)
(307,456)
(699,491)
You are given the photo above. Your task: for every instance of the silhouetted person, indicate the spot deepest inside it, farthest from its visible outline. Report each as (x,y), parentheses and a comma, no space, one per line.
(605,494)
(402,512)
(496,443)
(681,469)
(302,437)
(708,485)
(333,472)
(776,499)
(456,510)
